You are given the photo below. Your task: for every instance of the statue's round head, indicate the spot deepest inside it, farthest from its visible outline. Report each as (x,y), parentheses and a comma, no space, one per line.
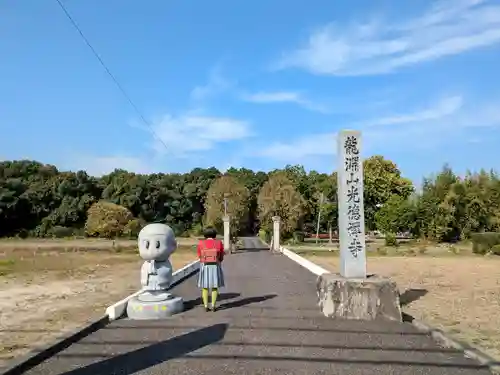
(156,242)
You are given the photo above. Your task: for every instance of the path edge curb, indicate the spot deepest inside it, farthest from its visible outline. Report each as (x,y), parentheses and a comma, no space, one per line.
(437,335)
(440,337)
(306,263)
(39,354)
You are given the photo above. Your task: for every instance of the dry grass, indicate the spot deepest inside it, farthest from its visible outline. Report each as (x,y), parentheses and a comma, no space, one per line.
(377,247)
(463,292)
(49,289)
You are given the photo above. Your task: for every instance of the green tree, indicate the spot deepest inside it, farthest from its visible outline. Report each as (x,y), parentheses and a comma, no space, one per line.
(382,179)
(106,219)
(396,215)
(237,196)
(278,197)
(37,199)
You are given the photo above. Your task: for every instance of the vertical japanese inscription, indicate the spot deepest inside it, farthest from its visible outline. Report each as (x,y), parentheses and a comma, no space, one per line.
(351,169)
(351,215)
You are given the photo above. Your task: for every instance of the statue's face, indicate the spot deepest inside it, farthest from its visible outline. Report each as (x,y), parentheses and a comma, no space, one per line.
(156,242)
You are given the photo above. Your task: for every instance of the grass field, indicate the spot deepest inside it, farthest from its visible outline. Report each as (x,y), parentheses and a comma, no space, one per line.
(460,291)
(52,286)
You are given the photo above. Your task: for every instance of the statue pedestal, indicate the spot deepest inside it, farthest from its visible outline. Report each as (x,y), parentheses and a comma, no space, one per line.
(152,305)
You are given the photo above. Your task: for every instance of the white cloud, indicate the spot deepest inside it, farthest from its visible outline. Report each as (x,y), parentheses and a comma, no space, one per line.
(192,133)
(284,97)
(428,132)
(186,136)
(444,107)
(300,148)
(426,128)
(216,84)
(274,97)
(448,28)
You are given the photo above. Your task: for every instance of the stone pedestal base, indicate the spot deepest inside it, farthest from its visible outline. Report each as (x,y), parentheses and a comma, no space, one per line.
(152,306)
(363,299)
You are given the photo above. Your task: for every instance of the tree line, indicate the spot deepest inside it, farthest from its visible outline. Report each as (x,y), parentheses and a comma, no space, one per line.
(38,200)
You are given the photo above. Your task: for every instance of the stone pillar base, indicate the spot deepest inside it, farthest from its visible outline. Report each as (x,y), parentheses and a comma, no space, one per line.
(363,299)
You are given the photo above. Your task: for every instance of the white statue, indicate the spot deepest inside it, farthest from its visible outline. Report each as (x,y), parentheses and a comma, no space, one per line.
(156,244)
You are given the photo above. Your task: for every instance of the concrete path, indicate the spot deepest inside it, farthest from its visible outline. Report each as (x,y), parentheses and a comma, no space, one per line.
(268,323)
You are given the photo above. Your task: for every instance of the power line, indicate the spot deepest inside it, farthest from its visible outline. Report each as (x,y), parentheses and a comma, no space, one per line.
(117,83)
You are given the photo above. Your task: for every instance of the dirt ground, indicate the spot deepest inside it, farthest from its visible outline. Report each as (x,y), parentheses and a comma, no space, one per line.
(50,287)
(463,292)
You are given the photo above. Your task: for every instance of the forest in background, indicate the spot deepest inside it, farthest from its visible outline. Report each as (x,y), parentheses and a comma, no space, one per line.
(38,200)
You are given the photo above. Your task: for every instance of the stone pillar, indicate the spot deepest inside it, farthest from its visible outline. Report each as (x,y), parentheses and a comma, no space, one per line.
(351,207)
(352,295)
(227,242)
(276,234)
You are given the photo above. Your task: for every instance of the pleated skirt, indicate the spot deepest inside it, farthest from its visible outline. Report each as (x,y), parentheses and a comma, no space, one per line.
(210,276)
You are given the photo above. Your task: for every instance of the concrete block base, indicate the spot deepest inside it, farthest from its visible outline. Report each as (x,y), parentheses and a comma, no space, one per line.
(148,306)
(363,299)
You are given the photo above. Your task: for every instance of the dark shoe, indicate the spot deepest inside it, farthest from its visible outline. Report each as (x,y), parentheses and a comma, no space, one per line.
(213,308)
(206,309)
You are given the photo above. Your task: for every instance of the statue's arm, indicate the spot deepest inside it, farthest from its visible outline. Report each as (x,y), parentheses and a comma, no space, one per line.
(164,274)
(144,274)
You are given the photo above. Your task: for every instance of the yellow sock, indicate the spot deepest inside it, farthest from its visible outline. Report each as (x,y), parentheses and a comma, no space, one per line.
(204,296)
(215,293)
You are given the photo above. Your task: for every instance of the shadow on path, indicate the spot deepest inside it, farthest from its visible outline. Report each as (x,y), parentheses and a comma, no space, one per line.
(152,355)
(192,303)
(246,301)
(352,331)
(274,344)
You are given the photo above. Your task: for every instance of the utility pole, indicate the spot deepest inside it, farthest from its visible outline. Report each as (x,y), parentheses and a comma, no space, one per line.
(319,217)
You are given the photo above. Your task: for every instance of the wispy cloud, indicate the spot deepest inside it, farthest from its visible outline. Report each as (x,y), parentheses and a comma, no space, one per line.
(428,127)
(300,148)
(216,85)
(193,132)
(442,108)
(449,27)
(184,136)
(285,97)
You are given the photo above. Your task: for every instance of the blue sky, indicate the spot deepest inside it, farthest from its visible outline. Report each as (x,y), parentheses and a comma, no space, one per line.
(257,84)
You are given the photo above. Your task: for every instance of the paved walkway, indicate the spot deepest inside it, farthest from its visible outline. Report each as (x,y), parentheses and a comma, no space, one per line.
(268,324)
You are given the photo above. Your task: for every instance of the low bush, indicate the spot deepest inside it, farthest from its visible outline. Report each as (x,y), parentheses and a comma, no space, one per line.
(264,235)
(61,232)
(483,243)
(298,236)
(106,219)
(390,240)
(132,228)
(196,230)
(495,250)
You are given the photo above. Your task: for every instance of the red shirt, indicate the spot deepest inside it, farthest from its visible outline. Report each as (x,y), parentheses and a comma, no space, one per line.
(211,243)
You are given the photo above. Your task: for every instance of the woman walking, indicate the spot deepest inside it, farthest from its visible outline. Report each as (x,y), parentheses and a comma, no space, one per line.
(211,277)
